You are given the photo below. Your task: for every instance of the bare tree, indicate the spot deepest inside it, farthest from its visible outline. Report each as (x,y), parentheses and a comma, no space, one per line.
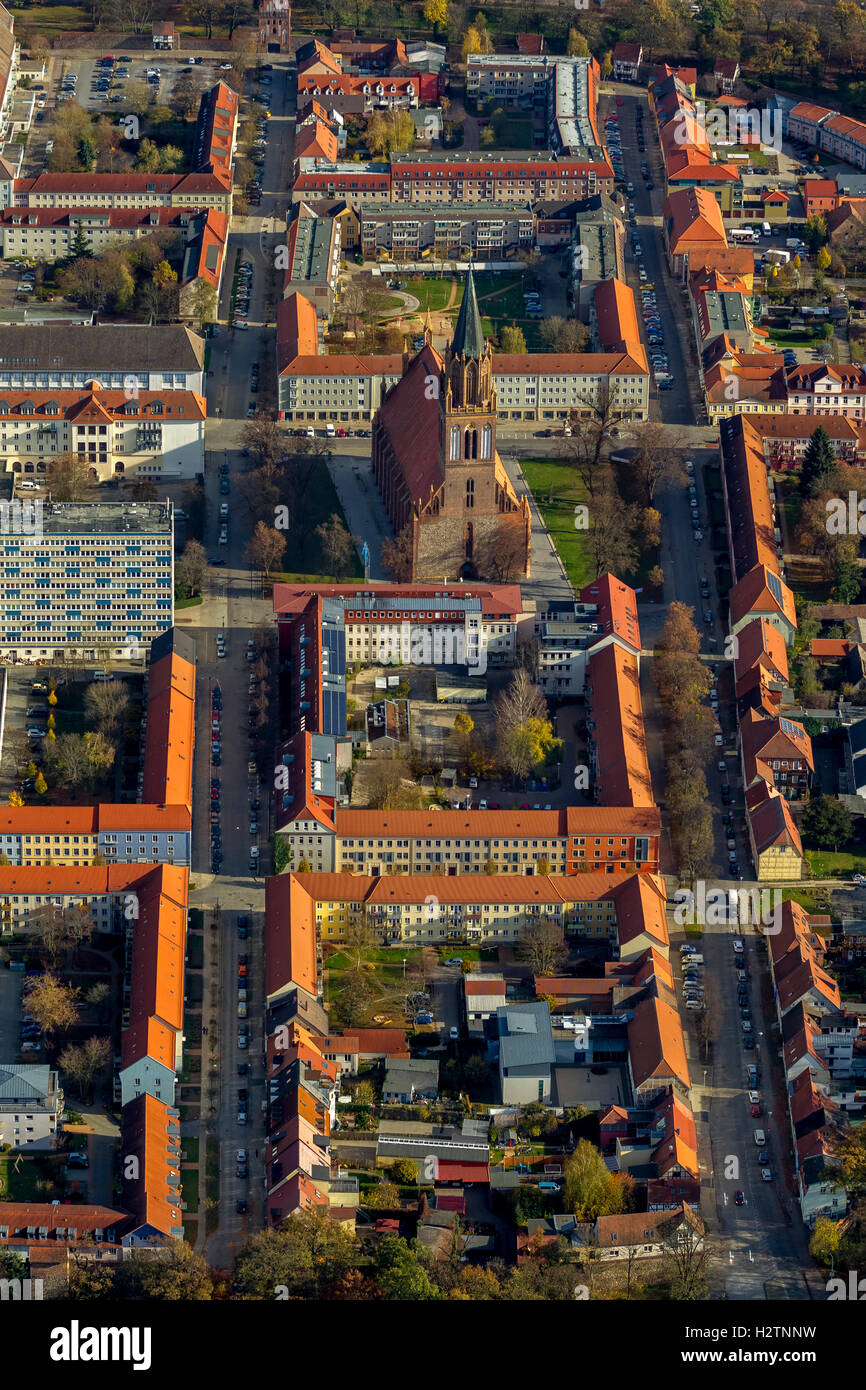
(542,945)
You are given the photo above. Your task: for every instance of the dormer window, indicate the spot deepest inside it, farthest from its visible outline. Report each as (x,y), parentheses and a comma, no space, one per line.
(27,408)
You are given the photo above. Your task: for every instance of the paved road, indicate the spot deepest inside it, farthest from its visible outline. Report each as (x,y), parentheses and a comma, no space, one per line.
(758,1250)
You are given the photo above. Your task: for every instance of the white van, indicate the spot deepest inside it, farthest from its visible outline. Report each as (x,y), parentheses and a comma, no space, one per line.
(760,1138)
(330,431)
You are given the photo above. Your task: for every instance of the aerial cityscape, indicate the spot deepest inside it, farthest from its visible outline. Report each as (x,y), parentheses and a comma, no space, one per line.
(433,656)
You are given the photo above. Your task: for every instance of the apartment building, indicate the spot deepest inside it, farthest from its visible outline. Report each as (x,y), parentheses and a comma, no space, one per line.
(488,231)
(31,1106)
(572,840)
(474,176)
(466,625)
(627,58)
(136,357)
(305,910)
(510,77)
(197,191)
(120,834)
(98,578)
(131,432)
(529,386)
(50,234)
(313,246)
(827,389)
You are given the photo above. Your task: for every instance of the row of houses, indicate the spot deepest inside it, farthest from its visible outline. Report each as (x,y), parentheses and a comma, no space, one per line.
(127,399)
(145,898)
(776,753)
(822,128)
(547,387)
(823,1057)
(46,217)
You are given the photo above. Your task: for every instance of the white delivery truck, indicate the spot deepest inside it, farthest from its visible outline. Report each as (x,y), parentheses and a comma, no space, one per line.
(766,229)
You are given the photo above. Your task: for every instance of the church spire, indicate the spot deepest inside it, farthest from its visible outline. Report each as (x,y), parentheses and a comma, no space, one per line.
(468,337)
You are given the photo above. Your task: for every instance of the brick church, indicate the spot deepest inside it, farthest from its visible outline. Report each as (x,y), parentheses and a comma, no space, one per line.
(450,501)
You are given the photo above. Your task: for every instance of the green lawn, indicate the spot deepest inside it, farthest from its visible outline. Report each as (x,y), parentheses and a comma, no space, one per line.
(20,1177)
(812,902)
(189,1147)
(829,864)
(50,17)
(549,479)
(382,956)
(513,133)
(189,1183)
(789,337)
(500,299)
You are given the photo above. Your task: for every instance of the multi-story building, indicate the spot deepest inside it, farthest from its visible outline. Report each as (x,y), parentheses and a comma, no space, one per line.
(130,432)
(9,61)
(31,1104)
(313,245)
(99,579)
(576,840)
(626,58)
(431,908)
(402,624)
(487,231)
(119,834)
(529,386)
(50,234)
(135,357)
(827,389)
(195,192)
(471,176)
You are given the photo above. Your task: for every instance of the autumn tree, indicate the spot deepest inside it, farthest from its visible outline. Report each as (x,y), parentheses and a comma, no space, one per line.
(190,569)
(390,132)
(512,340)
(52,1004)
(397,555)
(591,1189)
(264,438)
(82,1062)
(681,677)
(68,478)
(107,705)
(336,545)
(654,462)
(611,540)
(563,335)
(266,548)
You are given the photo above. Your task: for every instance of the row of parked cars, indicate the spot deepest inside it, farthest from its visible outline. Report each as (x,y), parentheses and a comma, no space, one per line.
(693,985)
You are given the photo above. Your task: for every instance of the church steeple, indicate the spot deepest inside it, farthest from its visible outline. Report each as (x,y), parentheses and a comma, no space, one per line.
(468,340)
(469,360)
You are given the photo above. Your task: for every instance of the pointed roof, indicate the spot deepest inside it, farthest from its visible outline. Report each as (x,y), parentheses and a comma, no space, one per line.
(468,338)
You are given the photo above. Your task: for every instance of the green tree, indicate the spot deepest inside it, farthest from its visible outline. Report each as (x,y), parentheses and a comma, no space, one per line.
(815,231)
(827,822)
(846,577)
(591,1189)
(819,462)
(512,339)
(80,244)
(308,1251)
(400,1274)
(824,1244)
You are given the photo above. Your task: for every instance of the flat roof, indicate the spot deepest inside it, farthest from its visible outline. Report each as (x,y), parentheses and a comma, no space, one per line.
(111,518)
